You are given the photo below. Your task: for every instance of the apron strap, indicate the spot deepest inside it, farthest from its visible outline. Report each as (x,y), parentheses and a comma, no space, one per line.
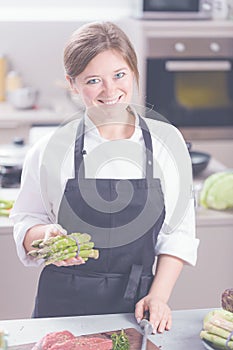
(78,152)
(133,282)
(149,148)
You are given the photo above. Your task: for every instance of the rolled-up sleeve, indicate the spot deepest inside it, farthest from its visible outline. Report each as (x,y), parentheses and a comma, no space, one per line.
(28,209)
(177,236)
(181,242)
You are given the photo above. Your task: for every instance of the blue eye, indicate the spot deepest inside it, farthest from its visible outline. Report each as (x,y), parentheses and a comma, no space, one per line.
(93,81)
(120,75)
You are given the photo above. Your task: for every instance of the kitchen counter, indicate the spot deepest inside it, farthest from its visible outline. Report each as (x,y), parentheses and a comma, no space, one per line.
(6,225)
(183,335)
(11,116)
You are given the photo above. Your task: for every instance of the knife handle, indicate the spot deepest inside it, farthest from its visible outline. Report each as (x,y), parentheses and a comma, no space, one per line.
(146,315)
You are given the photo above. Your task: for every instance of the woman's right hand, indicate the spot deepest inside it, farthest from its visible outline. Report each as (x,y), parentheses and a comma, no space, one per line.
(56,230)
(44,232)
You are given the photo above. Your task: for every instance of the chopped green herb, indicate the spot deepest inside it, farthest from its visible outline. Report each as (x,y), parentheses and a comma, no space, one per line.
(120,341)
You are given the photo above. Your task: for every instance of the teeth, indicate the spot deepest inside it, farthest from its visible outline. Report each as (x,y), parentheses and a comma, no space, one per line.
(110,102)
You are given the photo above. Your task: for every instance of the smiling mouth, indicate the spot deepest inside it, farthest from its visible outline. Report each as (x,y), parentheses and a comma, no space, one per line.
(111,101)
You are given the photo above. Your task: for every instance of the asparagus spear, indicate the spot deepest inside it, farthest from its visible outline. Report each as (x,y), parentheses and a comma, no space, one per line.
(92,253)
(216,340)
(219,314)
(217,330)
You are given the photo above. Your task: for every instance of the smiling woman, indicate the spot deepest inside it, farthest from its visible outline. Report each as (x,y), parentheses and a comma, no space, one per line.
(119,177)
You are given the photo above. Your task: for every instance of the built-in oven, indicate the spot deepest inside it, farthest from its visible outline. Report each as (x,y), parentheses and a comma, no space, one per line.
(190,80)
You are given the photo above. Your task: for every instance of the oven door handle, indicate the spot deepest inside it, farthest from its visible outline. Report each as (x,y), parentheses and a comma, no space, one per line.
(197,66)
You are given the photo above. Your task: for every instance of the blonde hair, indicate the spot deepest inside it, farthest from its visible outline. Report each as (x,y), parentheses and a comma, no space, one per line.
(92,39)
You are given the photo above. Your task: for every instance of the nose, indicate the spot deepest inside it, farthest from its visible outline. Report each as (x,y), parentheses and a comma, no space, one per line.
(109,87)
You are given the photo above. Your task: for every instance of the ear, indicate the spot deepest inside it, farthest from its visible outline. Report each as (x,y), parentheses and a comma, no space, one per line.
(71,84)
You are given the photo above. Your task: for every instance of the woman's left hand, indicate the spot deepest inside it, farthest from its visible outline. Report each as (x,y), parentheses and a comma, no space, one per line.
(159,311)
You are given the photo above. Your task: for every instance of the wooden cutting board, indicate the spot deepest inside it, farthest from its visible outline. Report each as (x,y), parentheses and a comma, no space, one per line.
(135,340)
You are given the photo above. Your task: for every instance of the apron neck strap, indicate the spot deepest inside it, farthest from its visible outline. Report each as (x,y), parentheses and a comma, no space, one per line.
(79,151)
(149,148)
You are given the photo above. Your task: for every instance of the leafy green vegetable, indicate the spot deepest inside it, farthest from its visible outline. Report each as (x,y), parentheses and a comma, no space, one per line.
(120,341)
(217,192)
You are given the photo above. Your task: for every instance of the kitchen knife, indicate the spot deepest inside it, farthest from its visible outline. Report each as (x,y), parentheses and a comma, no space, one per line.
(147,329)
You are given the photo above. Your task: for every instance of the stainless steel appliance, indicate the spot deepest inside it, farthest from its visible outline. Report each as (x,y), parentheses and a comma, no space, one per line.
(173,9)
(11,163)
(190,80)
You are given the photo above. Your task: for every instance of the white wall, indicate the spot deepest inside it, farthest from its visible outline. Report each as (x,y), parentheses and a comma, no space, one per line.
(22,10)
(33,34)
(67,3)
(35,50)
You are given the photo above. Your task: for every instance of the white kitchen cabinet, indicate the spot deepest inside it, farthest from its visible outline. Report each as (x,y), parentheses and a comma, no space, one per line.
(11,130)
(201,286)
(221,150)
(18,283)
(17,123)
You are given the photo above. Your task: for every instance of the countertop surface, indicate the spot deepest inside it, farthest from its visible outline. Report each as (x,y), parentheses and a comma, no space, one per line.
(183,335)
(10,117)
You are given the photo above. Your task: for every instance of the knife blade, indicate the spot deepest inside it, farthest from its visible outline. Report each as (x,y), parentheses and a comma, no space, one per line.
(147,329)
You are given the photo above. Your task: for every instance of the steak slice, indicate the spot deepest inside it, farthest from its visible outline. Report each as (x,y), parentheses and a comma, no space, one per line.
(50,339)
(84,343)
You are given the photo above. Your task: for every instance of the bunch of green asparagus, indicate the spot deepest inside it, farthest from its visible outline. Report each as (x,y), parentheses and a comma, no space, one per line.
(218,329)
(63,247)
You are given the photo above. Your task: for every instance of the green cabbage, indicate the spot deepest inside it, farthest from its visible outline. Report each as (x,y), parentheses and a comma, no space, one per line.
(217,191)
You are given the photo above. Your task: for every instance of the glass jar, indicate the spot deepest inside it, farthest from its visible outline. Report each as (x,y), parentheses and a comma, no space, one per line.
(3,340)
(2,77)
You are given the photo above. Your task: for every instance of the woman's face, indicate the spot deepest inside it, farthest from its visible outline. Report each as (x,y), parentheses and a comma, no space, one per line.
(106,81)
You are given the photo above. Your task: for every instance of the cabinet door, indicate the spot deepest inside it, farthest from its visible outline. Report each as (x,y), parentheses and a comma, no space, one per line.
(18,283)
(8,131)
(221,150)
(201,286)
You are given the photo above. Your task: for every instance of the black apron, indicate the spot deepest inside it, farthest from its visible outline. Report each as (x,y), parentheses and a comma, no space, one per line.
(123,273)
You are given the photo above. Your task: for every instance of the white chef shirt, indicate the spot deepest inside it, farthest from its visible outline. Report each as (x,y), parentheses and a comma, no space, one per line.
(45,174)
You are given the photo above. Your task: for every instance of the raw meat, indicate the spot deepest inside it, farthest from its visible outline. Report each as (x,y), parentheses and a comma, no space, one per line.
(67,341)
(53,338)
(84,343)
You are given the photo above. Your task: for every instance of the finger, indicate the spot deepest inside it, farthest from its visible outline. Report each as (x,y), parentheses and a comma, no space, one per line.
(139,311)
(74,261)
(156,316)
(54,230)
(61,229)
(162,325)
(169,323)
(70,262)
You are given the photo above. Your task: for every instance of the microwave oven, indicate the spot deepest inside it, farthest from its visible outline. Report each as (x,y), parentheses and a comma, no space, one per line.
(173,9)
